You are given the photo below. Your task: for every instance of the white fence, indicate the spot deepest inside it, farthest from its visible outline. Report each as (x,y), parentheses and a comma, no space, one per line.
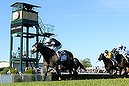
(5,78)
(23,78)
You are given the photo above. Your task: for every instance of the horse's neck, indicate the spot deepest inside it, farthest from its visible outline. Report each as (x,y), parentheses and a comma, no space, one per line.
(120,58)
(46,52)
(108,63)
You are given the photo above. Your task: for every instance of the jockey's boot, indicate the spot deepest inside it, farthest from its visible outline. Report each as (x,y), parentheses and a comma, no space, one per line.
(115,62)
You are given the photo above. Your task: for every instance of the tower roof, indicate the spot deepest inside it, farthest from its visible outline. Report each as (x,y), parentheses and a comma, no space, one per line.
(24,4)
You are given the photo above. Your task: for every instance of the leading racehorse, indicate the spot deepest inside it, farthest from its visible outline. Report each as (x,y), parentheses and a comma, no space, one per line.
(51,59)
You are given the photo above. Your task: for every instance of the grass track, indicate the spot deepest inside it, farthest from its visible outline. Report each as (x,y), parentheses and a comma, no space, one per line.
(92,82)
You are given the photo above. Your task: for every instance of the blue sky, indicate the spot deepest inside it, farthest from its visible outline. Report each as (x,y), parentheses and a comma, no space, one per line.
(85,27)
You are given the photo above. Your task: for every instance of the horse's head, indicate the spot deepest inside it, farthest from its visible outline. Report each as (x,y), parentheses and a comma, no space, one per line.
(101,56)
(36,47)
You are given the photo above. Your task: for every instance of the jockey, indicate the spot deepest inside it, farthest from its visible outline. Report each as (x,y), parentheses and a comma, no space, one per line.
(52,43)
(121,49)
(124,51)
(109,55)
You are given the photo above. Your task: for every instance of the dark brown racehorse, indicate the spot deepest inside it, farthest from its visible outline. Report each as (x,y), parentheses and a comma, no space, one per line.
(51,59)
(108,64)
(122,63)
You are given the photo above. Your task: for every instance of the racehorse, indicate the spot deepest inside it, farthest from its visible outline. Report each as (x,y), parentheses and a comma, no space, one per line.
(51,59)
(122,63)
(108,64)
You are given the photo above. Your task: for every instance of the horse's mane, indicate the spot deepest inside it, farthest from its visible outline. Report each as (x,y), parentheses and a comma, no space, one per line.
(51,50)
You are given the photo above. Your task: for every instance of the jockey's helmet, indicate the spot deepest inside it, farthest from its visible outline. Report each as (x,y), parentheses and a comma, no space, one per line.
(106,51)
(48,40)
(120,45)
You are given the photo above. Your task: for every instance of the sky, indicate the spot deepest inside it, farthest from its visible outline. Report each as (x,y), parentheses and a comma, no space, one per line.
(84,27)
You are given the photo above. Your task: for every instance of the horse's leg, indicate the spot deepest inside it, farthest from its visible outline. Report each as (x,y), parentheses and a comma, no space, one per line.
(115,73)
(70,74)
(45,70)
(75,73)
(58,70)
(120,72)
(111,73)
(125,72)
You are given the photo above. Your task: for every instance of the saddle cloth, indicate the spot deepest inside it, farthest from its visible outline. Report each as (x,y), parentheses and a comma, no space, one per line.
(62,56)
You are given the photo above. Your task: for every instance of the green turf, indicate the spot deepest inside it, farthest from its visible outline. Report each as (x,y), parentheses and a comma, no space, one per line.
(93,82)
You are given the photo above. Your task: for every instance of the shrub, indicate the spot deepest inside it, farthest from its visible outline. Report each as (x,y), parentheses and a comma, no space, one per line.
(5,70)
(13,71)
(30,71)
(29,75)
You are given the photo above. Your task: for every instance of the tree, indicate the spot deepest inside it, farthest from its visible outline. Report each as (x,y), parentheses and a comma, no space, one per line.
(86,62)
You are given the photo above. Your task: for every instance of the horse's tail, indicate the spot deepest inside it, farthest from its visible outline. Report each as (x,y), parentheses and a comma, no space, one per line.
(79,64)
